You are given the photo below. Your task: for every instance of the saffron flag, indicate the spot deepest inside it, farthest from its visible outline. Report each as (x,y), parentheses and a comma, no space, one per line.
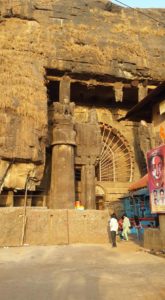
(162,132)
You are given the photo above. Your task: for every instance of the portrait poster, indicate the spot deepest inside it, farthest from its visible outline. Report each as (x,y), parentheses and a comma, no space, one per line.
(156,178)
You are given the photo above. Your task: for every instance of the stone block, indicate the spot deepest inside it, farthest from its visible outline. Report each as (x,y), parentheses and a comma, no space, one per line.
(162,229)
(153,239)
(88,226)
(46,227)
(11,223)
(162,223)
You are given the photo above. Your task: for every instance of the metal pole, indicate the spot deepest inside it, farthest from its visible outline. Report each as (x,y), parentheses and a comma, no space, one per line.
(24,210)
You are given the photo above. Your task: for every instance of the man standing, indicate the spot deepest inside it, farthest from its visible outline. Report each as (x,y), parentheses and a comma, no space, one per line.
(126,227)
(113,229)
(156,167)
(155,197)
(162,198)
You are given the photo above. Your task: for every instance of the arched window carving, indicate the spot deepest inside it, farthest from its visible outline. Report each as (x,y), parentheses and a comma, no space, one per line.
(116,158)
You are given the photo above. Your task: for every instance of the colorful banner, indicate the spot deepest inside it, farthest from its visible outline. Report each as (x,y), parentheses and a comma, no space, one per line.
(156,178)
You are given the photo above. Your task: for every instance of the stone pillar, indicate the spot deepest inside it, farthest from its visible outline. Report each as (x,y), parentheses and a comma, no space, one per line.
(83,186)
(62,177)
(88,198)
(64,92)
(142,91)
(88,147)
(90,187)
(10,199)
(62,188)
(118,89)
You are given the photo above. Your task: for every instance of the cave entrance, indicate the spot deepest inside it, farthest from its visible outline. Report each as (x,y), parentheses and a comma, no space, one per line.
(90,95)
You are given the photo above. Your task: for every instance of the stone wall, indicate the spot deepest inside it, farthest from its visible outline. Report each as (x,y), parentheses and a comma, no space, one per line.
(52,227)
(162,228)
(155,238)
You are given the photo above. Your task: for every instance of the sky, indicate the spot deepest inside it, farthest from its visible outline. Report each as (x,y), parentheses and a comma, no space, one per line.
(143,3)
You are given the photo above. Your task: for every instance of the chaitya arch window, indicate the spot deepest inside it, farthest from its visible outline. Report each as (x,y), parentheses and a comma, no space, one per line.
(116,158)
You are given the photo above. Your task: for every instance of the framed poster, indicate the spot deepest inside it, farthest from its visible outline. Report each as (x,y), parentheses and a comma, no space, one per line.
(156,178)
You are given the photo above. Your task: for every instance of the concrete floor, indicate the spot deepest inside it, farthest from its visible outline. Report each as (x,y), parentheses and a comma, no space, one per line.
(81,272)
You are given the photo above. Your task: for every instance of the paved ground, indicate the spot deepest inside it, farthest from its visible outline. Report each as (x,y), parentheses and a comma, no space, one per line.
(81,272)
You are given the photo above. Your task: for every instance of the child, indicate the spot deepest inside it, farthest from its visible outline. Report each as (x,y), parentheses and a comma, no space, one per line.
(120,230)
(138,227)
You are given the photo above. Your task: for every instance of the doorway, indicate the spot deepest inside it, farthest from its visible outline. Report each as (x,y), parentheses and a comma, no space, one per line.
(100,198)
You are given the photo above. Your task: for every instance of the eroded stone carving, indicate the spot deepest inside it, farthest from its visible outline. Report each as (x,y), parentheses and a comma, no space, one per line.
(65,109)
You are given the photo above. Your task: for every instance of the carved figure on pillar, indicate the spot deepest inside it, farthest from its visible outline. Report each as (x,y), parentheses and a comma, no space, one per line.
(63,110)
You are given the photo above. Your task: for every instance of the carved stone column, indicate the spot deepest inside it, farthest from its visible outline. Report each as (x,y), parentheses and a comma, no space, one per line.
(62,189)
(83,186)
(88,142)
(10,199)
(62,177)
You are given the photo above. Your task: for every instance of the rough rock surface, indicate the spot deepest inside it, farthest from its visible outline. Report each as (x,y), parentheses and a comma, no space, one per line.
(80,34)
(75,36)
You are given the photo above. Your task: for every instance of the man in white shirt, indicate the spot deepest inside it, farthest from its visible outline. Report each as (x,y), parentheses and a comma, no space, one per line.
(113,229)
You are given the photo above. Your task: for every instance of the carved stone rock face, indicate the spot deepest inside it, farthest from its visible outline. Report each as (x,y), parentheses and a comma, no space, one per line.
(88,139)
(63,110)
(64,36)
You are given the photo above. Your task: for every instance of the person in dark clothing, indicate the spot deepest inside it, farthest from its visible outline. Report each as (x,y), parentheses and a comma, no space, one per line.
(120,229)
(138,227)
(113,229)
(157,220)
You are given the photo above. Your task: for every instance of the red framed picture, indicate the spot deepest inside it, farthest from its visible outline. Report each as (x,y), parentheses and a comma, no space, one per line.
(156,178)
